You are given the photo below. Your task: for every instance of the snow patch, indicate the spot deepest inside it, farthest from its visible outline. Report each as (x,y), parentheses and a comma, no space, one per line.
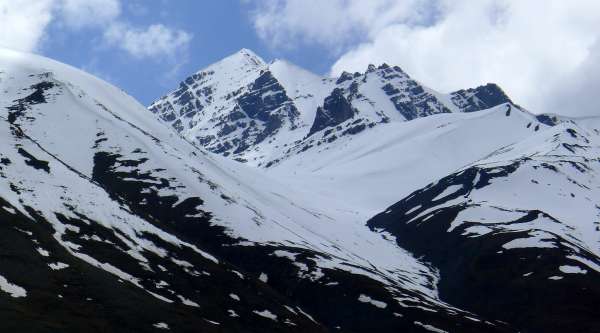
(572,269)
(12,289)
(366,299)
(266,314)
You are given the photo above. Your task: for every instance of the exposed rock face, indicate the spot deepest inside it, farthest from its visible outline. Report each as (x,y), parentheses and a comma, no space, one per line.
(336,110)
(258,113)
(480,98)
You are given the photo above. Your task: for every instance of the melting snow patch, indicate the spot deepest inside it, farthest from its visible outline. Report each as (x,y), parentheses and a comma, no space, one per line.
(161,284)
(572,269)
(162,326)
(412,209)
(266,314)
(448,191)
(263,277)
(367,299)
(290,309)
(57,266)
(476,231)
(429,327)
(182,263)
(555,278)
(43,252)
(188,302)
(211,321)
(12,289)
(10,210)
(285,254)
(307,315)
(28,233)
(537,239)
(232,314)
(240,275)
(235,297)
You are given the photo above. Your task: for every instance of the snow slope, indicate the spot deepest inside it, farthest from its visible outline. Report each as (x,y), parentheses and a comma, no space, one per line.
(522,221)
(371,170)
(93,186)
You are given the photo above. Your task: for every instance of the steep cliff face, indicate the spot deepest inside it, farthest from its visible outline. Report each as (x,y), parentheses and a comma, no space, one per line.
(335,110)
(480,98)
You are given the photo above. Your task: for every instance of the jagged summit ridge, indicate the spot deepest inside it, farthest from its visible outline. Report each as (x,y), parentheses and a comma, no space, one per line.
(256,112)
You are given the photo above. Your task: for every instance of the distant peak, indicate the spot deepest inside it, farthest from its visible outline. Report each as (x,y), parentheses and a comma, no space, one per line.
(241,59)
(345,76)
(247,52)
(385,68)
(249,55)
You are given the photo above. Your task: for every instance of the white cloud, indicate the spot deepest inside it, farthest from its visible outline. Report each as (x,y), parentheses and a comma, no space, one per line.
(536,50)
(332,22)
(155,41)
(24,25)
(578,92)
(81,13)
(23,22)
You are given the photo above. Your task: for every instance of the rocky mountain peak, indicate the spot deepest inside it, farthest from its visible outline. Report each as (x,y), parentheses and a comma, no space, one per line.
(259,112)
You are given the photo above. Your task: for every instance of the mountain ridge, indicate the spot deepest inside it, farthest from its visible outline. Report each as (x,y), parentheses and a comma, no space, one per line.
(284,105)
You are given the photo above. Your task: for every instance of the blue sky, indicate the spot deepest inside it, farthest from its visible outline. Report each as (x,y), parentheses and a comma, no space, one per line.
(546,60)
(218,28)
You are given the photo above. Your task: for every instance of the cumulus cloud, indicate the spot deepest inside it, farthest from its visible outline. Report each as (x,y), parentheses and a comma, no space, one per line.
(333,23)
(23,22)
(154,41)
(24,25)
(81,13)
(578,93)
(537,50)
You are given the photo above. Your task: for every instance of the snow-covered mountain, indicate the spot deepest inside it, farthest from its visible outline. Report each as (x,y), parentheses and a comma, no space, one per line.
(114,219)
(113,222)
(260,113)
